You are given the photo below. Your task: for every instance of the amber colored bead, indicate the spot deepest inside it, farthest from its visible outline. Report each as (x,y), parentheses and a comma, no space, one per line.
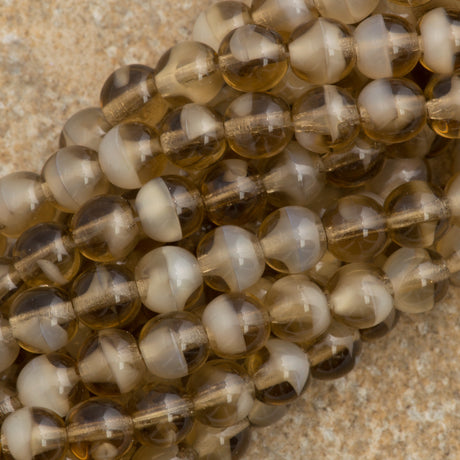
(355,228)
(258,125)
(188,72)
(232,192)
(46,254)
(392,110)
(347,11)
(105,296)
(130,93)
(98,428)
(325,118)
(417,215)
(192,137)
(104,229)
(222,393)
(253,58)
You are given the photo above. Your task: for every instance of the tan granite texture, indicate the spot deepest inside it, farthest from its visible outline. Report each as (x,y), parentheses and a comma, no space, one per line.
(401,402)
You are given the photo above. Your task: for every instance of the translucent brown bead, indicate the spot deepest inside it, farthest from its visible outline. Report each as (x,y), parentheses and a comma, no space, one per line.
(347,11)
(253,58)
(258,125)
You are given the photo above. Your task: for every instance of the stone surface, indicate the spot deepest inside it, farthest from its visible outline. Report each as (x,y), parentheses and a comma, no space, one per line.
(401,402)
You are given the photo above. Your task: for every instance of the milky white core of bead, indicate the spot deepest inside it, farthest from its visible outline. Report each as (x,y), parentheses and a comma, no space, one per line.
(346,11)
(157,212)
(167,277)
(17,430)
(40,384)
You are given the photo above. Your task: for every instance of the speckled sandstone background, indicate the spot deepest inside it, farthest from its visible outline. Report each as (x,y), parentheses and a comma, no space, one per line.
(401,402)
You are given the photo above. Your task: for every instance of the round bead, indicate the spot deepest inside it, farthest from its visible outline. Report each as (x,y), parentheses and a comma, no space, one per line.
(105,296)
(42,319)
(46,254)
(347,11)
(355,228)
(417,215)
(169,208)
(237,325)
(293,239)
(72,176)
(222,393)
(230,258)
(51,381)
(258,125)
(169,279)
(387,46)
(214,23)
(325,118)
(192,137)
(280,372)
(322,51)
(253,58)
(33,433)
(109,362)
(110,429)
(105,228)
(173,345)
(298,309)
(188,72)
(392,110)
(232,192)
(85,128)
(9,348)
(130,155)
(22,203)
(419,146)
(419,278)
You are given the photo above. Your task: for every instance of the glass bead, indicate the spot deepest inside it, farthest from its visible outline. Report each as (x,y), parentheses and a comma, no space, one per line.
(42,319)
(324,269)
(105,296)
(46,254)
(417,147)
(173,345)
(192,137)
(237,325)
(387,46)
(292,238)
(447,246)
(170,453)
(232,192)
(110,363)
(216,21)
(360,295)
(104,229)
(260,288)
(440,40)
(230,258)
(322,51)
(258,125)
(52,382)
(443,113)
(291,87)
(130,155)
(9,348)
(381,329)
(99,428)
(129,93)
(281,15)
(161,415)
(263,415)
(280,372)
(347,11)
(298,308)
(188,72)
(72,176)
(325,118)
(336,353)
(222,393)
(85,128)
(417,214)
(293,177)
(253,58)
(355,228)
(22,203)
(419,278)
(168,279)
(392,110)
(33,433)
